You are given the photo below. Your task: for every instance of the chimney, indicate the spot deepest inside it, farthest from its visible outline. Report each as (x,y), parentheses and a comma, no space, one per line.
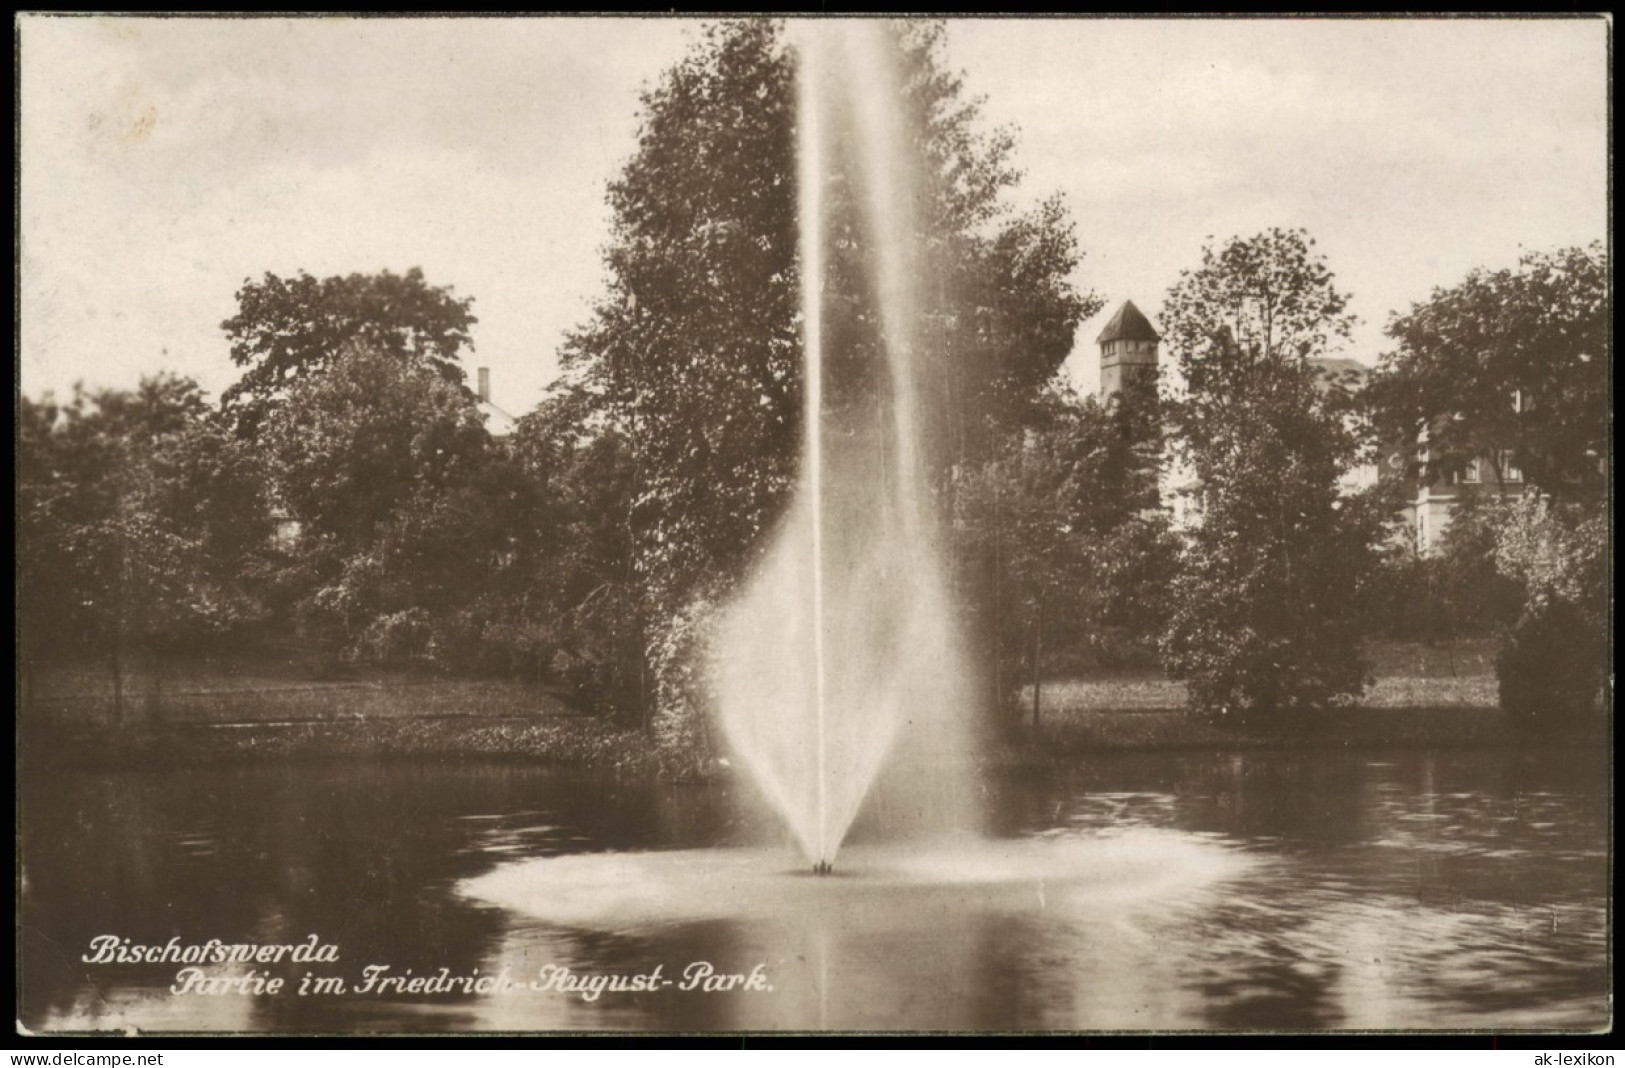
(485,385)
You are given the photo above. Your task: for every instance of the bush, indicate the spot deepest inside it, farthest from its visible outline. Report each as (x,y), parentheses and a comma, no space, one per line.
(680,663)
(396,640)
(1551,669)
(1554,669)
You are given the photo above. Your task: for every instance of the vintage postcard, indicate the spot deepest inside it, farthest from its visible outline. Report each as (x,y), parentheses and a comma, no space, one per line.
(563,525)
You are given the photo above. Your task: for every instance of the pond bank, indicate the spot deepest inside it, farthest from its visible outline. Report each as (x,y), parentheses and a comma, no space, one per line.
(588,742)
(1110,730)
(558,739)
(201,714)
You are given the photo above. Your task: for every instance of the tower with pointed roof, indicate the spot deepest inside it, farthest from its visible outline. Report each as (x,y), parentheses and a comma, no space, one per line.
(1128,349)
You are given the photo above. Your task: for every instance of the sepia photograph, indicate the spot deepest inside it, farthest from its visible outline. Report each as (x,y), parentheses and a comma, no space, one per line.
(813,525)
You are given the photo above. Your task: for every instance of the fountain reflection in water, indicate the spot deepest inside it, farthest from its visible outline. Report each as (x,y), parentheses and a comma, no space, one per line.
(842,646)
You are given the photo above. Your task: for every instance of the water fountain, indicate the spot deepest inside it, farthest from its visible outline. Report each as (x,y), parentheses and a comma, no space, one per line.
(843,641)
(838,677)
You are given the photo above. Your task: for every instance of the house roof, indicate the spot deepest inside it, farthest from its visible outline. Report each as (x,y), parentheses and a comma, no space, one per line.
(1336,373)
(1129,324)
(498,422)
(1337,366)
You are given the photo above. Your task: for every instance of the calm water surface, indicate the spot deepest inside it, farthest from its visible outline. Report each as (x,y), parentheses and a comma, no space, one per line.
(1233,891)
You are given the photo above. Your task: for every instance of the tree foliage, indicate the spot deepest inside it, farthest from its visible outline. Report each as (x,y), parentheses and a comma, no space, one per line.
(1267,300)
(288,329)
(580,620)
(1554,668)
(1508,364)
(1455,591)
(407,510)
(1069,513)
(693,356)
(1266,606)
(141,522)
(1559,552)
(1512,366)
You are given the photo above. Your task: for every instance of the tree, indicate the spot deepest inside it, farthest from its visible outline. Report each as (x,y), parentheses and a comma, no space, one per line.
(1069,511)
(1555,664)
(579,620)
(51,502)
(407,509)
(1508,365)
(1017,512)
(1266,604)
(287,329)
(141,521)
(1512,367)
(694,354)
(1455,591)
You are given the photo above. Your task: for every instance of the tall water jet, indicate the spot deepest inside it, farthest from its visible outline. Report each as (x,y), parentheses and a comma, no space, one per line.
(841,652)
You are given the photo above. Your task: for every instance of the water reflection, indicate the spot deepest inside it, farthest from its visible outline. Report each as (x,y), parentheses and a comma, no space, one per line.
(1455,890)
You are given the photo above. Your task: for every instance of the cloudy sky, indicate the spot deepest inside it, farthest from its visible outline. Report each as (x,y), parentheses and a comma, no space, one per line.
(166,161)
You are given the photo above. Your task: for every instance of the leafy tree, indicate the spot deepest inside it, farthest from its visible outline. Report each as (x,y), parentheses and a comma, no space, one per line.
(579,620)
(694,354)
(355,444)
(1560,552)
(407,509)
(1513,365)
(1455,591)
(1266,605)
(1014,512)
(1069,513)
(140,527)
(1265,300)
(51,502)
(1555,664)
(287,329)
(1510,363)
(1474,594)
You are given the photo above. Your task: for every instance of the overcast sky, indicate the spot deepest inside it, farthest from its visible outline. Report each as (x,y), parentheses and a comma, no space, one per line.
(166,161)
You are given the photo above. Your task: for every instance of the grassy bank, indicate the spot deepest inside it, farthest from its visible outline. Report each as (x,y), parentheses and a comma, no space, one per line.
(282,707)
(258,701)
(1422,696)
(277,708)
(564,739)
(1079,733)
(1065,698)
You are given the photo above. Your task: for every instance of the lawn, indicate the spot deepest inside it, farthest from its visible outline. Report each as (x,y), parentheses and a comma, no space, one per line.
(1421,695)
(1062,697)
(1408,675)
(278,704)
(197,712)
(282,685)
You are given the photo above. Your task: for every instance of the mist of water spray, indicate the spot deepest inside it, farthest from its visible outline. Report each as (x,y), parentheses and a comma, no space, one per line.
(841,653)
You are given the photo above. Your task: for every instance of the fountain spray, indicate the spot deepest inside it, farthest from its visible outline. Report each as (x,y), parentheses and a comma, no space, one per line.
(841,652)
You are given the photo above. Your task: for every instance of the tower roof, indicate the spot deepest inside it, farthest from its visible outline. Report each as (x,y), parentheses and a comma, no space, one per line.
(1129,324)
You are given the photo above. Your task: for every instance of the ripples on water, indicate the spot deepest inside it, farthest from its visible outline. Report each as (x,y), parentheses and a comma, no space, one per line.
(1234,891)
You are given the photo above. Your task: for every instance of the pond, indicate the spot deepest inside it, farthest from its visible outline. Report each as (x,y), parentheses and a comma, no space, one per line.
(1233,891)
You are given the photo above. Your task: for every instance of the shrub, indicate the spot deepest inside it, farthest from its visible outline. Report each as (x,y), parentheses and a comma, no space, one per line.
(1555,665)
(1549,669)
(680,665)
(396,640)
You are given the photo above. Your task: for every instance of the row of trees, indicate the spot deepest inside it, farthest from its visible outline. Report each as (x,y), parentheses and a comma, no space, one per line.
(138,514)
(594,546)
(1512,366)
(1267,599)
